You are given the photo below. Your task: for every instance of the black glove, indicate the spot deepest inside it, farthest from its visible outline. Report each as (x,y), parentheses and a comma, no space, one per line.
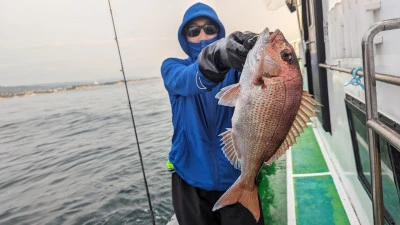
(216,59)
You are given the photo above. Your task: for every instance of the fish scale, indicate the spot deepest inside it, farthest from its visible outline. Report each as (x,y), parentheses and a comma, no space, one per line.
(271,110)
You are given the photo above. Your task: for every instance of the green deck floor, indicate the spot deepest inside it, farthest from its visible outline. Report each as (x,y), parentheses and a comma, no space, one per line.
(272,191)
(316,199)
(306,155)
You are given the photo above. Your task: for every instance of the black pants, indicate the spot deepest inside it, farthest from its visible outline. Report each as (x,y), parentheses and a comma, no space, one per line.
(193,206)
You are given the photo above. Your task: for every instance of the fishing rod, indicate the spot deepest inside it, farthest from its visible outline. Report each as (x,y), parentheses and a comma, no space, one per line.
(133,119)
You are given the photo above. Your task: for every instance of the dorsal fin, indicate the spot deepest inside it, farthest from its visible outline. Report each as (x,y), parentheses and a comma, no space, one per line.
(229,149)
(306,110)
(228,95)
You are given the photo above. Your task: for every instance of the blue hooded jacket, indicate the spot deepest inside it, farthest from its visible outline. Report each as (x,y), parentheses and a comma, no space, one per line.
(196,116)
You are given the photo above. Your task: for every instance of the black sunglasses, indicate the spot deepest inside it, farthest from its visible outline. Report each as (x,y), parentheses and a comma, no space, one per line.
(194,30)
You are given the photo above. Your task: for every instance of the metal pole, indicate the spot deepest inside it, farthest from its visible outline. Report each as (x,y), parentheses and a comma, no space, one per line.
(372,112)
(133,120)
(390,79)
(386,132)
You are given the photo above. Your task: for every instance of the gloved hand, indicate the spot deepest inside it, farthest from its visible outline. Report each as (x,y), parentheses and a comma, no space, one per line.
(216,59)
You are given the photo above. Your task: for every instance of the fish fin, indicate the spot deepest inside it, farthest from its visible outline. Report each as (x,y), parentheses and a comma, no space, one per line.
(307,109)
(237,193)
(229,149)
(228,95)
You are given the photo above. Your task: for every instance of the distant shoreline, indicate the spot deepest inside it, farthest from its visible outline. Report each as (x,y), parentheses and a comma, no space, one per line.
(31,90)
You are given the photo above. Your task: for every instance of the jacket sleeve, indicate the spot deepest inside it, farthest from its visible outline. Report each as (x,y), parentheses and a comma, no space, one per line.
(182,79)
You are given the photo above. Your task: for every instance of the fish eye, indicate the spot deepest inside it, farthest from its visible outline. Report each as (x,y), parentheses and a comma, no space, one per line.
(286,55)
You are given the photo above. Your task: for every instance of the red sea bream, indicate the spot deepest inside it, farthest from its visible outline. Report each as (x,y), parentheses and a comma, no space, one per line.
(271,110)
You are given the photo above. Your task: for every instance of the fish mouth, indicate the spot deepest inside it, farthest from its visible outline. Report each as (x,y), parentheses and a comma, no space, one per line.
(276,33)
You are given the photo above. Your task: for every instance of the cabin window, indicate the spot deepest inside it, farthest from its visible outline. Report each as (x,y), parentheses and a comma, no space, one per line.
(390,158)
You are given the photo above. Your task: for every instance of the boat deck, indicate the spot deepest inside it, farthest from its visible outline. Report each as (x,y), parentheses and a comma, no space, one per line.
(315,194)
(303,188)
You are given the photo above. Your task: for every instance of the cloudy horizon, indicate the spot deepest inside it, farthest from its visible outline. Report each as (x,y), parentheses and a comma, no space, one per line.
(46,41)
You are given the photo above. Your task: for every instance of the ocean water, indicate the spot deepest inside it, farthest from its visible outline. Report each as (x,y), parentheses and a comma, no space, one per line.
(70,157)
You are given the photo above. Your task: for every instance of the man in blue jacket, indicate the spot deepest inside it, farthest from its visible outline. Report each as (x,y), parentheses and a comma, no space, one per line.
(202,172)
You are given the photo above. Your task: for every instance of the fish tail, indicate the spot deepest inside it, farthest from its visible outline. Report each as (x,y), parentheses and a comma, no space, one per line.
(237,193)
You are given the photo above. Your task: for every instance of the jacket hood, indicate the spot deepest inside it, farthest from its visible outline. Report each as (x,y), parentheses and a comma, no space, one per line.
(198,10)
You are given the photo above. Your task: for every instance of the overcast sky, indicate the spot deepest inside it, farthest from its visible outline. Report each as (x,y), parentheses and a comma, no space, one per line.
(47,41)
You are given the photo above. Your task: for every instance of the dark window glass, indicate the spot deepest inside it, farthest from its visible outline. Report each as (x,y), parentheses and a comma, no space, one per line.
(390,192)
(396,167)
(390,158)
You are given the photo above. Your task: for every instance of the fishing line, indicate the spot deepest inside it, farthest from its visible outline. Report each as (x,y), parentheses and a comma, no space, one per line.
(133,120)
